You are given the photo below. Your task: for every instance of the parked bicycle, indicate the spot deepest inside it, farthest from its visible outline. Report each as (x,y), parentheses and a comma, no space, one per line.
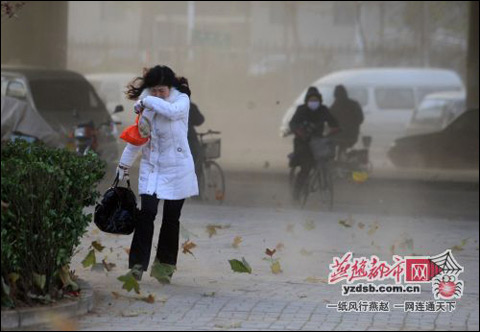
(211,179)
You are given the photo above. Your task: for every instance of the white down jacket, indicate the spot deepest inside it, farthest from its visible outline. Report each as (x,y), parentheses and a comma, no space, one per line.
(166,168)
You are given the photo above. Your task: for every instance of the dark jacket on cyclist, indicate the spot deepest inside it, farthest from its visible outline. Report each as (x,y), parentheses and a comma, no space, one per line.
(307,123)
(349,114)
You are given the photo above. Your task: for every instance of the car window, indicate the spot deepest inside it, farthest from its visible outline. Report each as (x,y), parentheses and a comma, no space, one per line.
(424,91)
(64,95)
(394,98)
(16,89)
(430,110)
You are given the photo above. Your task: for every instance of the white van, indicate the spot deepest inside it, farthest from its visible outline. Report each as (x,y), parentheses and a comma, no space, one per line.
(436,111)
(388,97)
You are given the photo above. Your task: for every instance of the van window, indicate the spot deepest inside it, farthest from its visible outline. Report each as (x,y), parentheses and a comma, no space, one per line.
(395,98)
(358,94)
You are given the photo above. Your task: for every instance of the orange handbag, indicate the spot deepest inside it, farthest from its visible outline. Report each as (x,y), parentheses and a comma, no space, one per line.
(132,135)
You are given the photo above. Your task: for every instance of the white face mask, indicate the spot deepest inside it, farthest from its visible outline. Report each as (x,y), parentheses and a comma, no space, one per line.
(313,105)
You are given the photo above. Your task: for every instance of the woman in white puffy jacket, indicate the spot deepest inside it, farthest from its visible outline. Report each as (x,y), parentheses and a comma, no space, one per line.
(167,171)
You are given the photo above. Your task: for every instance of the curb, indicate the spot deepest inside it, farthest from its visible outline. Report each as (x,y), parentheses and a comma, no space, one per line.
(14,319)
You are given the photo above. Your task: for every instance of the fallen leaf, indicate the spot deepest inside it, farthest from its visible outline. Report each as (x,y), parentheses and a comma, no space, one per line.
(98,246)
(280,246)
(309,225)
(270,253)
(108,266)
(149,299)
(373,228)
(459,247)
(129,282)
(359,177)
(212,229)
(240,266)
(90,259)
(116,295)
(276,268)
(187,246)
(344,223)
(236,241)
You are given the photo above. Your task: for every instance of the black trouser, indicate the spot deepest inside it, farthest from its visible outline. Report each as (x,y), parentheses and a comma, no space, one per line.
(168,241)
(305,161)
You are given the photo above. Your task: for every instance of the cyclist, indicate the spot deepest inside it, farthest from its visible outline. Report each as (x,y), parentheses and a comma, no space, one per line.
(349,114)
(309,122)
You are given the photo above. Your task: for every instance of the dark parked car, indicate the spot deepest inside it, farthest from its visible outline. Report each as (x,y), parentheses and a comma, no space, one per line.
(65,103)
(456,146)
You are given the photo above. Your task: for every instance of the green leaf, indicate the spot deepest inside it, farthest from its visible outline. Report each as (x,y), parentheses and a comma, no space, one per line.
(162,272)
(240,266)
(39,280)
(129,282)
(90,259)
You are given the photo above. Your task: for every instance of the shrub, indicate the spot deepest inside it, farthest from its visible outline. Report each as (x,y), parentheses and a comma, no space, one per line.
(44,193)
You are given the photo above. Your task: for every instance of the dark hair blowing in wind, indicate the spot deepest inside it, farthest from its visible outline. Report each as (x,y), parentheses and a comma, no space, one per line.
(158,75)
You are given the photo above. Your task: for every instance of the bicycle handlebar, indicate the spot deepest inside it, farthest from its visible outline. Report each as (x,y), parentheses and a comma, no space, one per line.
(210,132)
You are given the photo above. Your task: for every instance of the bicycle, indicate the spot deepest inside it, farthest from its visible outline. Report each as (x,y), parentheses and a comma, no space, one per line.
(320,177)
(211,179)
(355,162)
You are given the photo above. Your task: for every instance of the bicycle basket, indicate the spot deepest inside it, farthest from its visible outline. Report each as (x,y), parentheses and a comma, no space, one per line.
(322,148)
(211,148)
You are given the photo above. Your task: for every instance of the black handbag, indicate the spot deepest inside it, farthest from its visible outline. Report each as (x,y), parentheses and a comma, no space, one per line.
(117,212)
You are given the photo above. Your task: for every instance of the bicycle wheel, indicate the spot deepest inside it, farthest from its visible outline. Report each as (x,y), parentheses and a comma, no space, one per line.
(214,182)
(310,186)
(325,182)
(292,178)
(201,183)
